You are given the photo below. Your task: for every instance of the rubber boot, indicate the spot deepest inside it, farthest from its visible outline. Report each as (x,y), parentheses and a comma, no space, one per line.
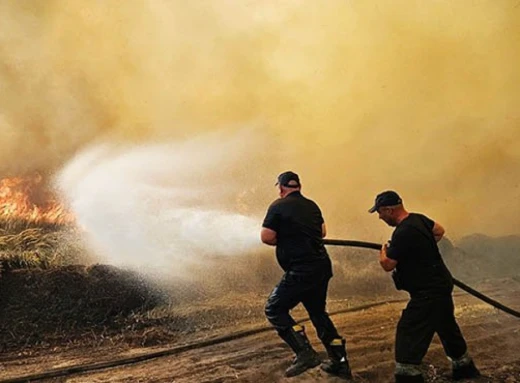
(338,362)
(409,379)
(408,373)
(464,368)
(306,357)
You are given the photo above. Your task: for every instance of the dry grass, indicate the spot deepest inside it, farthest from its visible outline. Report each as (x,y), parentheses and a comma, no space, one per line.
(40,248)
(17,225)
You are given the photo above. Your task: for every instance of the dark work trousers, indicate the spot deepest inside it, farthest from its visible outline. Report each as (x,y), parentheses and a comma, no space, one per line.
(422,318)
(311,291)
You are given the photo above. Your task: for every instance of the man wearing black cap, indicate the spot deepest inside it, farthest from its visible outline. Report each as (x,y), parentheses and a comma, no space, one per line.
(294,224)
(417,267)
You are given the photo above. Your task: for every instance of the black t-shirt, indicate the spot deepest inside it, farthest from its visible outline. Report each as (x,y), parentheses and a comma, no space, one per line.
(298,224)
(419,263)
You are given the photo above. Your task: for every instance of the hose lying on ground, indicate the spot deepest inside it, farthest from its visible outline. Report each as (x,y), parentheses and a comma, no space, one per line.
(456,282)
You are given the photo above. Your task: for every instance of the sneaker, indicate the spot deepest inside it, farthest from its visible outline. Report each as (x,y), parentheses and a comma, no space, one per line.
(307,359)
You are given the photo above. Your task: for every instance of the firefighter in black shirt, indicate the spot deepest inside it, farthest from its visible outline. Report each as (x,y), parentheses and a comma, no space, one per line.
(294,224)
(417,267)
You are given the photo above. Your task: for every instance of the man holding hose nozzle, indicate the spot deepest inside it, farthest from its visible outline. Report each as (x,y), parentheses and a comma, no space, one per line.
(294,224)
(417,267)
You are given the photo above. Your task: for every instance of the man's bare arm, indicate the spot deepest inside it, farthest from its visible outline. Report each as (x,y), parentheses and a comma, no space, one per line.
(323,230)
(268,236)
(388,264)
(438,231)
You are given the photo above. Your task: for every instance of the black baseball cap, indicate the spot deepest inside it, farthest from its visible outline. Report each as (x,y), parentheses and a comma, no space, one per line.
(289,179)
(386,198)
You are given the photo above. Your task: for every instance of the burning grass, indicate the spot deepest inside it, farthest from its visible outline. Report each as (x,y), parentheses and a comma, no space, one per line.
(35,229)
(29,200)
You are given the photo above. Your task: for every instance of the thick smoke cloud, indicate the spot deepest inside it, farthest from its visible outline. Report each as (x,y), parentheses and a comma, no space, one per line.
(356,96)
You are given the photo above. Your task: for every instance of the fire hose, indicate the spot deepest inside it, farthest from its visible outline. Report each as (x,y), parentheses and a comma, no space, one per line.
(456,282)
(88,367)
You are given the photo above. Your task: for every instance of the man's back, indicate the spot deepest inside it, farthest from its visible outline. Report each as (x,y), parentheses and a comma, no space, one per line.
(298,223)
(420,265)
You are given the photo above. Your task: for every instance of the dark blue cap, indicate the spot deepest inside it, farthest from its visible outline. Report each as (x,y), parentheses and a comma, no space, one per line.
(386,198)
(288,179)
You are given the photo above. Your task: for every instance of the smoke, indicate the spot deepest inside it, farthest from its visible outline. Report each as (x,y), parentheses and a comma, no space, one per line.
(356,96)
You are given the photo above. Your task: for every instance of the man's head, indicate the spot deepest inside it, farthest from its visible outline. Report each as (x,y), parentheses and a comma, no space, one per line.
(287,183)
(389,206)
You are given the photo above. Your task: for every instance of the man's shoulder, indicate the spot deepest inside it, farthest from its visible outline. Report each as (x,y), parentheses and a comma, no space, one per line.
(308,200)
(410,227)
(293,199)
(276,203)
(418,215)
(420,220)
(413,219)
(406,226)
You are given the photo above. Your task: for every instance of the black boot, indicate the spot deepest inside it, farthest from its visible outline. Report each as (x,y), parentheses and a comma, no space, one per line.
(408,373)
(306,357)
(409,379)
(466,371)
(338,363)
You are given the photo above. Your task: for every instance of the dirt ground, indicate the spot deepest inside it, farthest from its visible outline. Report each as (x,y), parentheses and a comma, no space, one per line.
(493,337)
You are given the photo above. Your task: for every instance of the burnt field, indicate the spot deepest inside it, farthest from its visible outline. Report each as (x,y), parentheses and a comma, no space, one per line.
(140,142)
(57,309)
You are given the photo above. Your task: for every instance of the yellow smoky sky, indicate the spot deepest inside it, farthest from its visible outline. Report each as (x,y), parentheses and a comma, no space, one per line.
(357,96)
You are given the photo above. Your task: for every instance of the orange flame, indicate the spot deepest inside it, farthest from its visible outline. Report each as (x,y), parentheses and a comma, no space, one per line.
(28,199)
